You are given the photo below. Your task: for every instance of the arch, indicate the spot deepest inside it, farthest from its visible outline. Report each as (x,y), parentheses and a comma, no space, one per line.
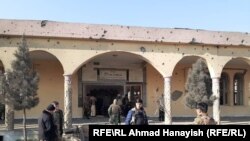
(246,60)
(238,71)
(189,60)
(110,52)
(132,67)
(51,82)
(43,55)
(179,78)
(212,66)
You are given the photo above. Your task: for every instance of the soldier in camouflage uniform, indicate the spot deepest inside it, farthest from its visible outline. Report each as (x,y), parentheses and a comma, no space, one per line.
(58,119)
(202,116)
(114,112)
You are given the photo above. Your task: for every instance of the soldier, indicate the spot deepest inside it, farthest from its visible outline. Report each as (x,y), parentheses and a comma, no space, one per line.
(202,116)
(114,112)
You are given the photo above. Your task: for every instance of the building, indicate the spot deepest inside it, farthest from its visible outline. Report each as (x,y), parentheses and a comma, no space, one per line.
(75,60)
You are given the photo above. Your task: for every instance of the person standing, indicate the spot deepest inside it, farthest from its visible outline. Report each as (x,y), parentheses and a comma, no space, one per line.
(58,119)
(137,115)
(93,106)
(86,107)
(202,115)
(119,99)
(161,108)
(46,126)
(114,112)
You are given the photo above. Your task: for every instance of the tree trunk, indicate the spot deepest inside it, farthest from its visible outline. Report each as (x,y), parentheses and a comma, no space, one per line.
(9,117)
(24,125)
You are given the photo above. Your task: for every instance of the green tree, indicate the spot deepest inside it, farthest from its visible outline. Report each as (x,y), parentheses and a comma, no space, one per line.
(198,85)
(21,83)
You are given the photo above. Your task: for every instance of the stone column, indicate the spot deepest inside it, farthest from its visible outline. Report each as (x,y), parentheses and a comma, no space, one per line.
(167,100)
(67,102)
(216,104)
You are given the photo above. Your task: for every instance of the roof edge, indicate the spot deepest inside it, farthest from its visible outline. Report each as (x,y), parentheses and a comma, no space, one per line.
(53,29)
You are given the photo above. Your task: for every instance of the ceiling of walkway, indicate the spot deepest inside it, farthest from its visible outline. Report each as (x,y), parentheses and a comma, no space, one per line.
(127,58)
(120,57)
(41,55)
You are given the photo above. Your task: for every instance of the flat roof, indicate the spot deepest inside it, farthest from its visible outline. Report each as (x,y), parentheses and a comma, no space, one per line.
(53,29)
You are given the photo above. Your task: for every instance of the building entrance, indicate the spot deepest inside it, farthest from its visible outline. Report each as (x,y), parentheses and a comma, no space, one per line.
(104,95)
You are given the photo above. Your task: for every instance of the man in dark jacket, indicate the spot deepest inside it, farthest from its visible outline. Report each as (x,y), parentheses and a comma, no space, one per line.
(58,119)
(137,115)
(46,127)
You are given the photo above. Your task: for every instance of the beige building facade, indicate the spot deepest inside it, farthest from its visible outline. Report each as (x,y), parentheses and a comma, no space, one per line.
(75,60)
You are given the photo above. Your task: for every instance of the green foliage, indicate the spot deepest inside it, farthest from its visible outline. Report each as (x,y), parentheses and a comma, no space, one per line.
(19,86)
(198,85)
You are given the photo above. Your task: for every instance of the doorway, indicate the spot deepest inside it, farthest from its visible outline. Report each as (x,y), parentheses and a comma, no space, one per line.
(104,94)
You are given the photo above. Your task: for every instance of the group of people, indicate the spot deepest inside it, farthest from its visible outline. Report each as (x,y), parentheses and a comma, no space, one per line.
(50,123)
(138,116)
(134,115)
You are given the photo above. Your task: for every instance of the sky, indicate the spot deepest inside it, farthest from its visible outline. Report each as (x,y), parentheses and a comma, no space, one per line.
(215,15)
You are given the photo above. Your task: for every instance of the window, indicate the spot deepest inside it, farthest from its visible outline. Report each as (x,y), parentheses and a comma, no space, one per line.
(238,88)
(224,88)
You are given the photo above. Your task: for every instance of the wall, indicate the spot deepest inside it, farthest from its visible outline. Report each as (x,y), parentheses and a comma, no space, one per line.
(51,87)
(75,44)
